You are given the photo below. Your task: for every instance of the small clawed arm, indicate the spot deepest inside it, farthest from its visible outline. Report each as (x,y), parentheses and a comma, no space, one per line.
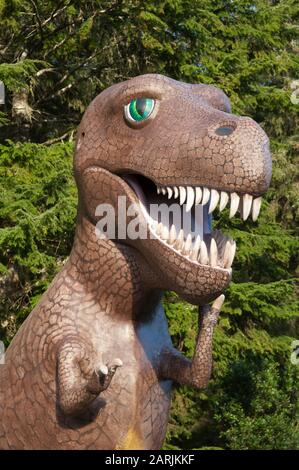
(80,381)
(174,366)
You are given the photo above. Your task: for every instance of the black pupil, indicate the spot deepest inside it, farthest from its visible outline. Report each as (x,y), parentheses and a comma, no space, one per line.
(140,106)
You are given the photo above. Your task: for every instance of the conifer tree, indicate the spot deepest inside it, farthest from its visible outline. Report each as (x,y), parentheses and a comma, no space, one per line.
(54,58)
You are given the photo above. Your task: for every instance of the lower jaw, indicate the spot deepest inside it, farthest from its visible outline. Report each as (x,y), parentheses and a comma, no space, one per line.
(199,244)
(195,283)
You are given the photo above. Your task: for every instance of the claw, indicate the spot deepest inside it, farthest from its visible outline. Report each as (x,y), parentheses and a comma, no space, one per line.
(103,369)
(115,364)
(217,304)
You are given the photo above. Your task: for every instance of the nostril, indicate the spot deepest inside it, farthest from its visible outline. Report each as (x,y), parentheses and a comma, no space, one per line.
(224,130)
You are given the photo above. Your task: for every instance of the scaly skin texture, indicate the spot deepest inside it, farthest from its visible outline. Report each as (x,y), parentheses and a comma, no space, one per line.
(105,304)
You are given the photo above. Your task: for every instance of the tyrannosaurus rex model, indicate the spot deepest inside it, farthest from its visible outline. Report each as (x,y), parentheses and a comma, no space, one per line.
(92,366)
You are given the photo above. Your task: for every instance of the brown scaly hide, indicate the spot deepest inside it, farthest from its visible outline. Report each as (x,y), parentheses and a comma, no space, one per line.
(106,301)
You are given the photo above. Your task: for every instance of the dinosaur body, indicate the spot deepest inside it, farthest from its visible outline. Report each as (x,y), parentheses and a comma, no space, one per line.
(131,414)
(93,364)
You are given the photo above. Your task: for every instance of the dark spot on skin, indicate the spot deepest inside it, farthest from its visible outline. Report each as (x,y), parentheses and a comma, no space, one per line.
(224,130)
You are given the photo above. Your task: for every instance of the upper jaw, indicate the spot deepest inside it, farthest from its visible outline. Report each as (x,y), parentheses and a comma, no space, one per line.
(192,195)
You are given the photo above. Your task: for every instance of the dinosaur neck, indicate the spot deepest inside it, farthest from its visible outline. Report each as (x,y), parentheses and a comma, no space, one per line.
(114,274)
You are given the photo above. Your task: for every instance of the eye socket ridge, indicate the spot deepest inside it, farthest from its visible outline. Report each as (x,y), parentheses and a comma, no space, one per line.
(139,109)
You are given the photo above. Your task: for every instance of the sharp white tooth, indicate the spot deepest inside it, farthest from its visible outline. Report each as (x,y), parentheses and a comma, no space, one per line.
(183,194)
(188,244)
(172,234)
(154,225)
(214,200)
(169,191)
(213,253)
(198,194)
(229,254)
(203,255)
(180,240)
(226,254)
(217,304)
(234,204)
(163,191)
(176,192)
(247,201)
(165,233)
(181,235)
(190,198)
(196,248)
(205,196)
(158,190)
(159,228)
(256,206)
(223,200)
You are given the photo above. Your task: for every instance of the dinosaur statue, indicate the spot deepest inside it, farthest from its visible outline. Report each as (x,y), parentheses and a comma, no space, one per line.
(93,364)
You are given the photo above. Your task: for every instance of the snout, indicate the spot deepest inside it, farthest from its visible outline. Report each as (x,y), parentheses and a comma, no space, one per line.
(236,156)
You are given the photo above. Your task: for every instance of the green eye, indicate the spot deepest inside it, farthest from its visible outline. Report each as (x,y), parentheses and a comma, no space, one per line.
(139,109)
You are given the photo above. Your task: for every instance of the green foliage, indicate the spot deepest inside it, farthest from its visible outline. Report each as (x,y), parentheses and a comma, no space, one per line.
(15,76)
(252,400)
(248,49)
(64,53)
(258,406)
(37,214)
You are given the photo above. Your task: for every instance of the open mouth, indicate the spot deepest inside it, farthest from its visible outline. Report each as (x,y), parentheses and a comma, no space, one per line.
(194,239)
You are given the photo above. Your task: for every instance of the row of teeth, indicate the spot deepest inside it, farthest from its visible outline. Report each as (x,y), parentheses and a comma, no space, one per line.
(190,196)
(198,251)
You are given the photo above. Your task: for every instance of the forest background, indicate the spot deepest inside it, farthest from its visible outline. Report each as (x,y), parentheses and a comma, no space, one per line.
(55,57)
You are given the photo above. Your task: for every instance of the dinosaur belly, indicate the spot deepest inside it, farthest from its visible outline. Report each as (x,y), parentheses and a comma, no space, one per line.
(119,420)
(149,427)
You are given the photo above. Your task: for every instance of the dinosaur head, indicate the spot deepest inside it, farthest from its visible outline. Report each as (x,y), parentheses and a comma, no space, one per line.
(156,140)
